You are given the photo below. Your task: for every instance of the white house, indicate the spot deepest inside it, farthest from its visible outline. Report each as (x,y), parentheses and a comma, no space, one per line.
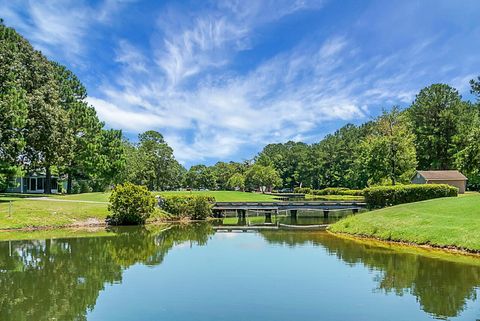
(32,183)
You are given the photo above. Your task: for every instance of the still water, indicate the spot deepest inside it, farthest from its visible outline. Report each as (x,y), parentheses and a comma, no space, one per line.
(191,273)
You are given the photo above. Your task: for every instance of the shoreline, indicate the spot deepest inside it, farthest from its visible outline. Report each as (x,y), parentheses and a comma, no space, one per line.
(354,237)
(450,249)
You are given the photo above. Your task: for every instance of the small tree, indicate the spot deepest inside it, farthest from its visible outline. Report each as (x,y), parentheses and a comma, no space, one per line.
(237,181)
(130,204)
(259,176)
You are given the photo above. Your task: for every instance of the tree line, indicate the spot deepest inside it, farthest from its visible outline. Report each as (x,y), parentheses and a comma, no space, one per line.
(47,125)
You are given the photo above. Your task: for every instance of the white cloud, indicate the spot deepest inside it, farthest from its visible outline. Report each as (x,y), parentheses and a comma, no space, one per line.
(58,27)
(183,83)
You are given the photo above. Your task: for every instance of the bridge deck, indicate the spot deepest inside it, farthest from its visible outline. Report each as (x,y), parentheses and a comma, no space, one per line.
(295,205)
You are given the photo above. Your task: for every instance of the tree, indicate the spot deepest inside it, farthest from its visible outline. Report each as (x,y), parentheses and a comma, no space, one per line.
(434,119)
(223,171)
(82,158)
(467,160)
(200,177)
(333,159)
(388,153)
(13,108)
(158,158)
(110,163)
(289,160)
(259,176)
(151,163)
(32,78)
(475,87)
(236,181)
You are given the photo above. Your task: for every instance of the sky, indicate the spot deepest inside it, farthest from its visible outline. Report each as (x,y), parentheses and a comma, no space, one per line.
(221,79)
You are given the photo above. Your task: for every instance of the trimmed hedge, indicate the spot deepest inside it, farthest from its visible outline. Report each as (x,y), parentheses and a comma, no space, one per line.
(381,196)
(302,190)
(329,191)
(196,207)
(337,191)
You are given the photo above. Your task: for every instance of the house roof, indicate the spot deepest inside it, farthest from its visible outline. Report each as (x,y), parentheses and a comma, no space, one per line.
(442,175)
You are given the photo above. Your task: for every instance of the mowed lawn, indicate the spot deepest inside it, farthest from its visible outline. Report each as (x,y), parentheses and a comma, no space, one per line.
(444,222)
(226,196)
(25,211)
(21,211)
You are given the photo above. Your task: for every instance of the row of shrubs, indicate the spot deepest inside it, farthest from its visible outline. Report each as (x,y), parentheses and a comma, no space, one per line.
(381,196)
(131,204)
(329,191)
(196,207)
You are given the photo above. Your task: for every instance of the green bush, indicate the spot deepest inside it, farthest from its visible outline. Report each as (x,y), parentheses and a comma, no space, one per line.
(382,196)
(337,191)
(130,204)
(302,190)
(196,207)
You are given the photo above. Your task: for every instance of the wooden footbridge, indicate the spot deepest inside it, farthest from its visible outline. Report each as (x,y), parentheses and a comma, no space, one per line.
(293,207)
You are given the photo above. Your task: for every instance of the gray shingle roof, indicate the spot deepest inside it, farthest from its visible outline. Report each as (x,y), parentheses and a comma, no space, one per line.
(442,175)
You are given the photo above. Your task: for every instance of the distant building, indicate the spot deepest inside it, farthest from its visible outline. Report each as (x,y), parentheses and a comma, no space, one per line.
(32,184)
(453,178)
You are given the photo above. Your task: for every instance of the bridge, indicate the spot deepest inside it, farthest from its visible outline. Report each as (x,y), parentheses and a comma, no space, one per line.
(293,207)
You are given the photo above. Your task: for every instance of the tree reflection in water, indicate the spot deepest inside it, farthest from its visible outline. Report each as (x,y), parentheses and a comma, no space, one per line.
(442,287)
(60,279)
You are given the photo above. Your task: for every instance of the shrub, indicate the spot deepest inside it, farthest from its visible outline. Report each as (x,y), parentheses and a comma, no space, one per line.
(302,190)
(337,191)
(382,196)
(130,204)
(196,207)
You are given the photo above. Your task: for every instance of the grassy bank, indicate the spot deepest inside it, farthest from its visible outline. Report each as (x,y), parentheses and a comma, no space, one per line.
(23,211)
(444,222)
(37,210)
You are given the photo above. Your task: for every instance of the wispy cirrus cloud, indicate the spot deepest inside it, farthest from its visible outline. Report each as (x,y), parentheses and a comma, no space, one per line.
(59,26)
(201,74)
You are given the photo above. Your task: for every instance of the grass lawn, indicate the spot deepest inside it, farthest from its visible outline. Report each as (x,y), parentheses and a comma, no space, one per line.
(25,212)
(227,196)
(444,222)
(95,197)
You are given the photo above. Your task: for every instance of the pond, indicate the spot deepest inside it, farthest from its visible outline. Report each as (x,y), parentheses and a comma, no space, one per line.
(188,272)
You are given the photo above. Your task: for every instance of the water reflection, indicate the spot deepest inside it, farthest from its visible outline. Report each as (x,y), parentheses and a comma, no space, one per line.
(442,287)
(60,279)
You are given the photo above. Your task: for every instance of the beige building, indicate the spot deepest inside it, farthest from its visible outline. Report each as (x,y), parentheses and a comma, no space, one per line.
(453,178)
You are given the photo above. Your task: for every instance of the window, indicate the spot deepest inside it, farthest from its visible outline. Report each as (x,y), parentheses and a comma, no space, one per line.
(33,184)
(40,182)
(54,183)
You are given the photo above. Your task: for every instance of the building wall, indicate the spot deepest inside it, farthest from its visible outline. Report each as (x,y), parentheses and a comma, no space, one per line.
(418,179)
(461,185)
(15,186)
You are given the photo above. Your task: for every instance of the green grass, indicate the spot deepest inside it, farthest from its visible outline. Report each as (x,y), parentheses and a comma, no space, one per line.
(95,197)
(25,212)
(444,222)
(226,196)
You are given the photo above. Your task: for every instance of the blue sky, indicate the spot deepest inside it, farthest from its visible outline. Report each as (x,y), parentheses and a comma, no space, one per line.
(222,79)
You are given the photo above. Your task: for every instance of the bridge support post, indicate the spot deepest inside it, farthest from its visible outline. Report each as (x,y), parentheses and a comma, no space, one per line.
(241,213)
(268,217)
(325,213)
(293,213)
